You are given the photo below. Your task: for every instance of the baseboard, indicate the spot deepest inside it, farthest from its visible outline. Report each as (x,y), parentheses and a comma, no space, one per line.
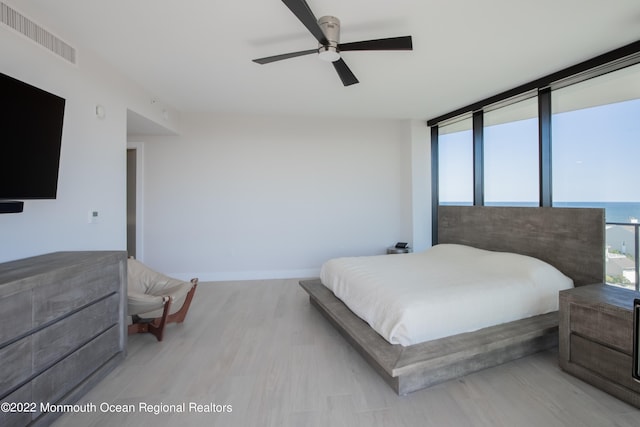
(224,276)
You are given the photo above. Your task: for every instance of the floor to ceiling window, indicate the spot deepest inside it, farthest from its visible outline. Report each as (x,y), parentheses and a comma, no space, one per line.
(455,160)
(511,155)
(576,144)
(596,151)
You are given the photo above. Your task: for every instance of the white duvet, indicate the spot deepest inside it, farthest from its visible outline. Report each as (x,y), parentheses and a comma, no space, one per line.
(445,290)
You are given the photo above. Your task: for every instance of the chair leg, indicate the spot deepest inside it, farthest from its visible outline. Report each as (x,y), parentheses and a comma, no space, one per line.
(137,328)
(178,316)
(155,326)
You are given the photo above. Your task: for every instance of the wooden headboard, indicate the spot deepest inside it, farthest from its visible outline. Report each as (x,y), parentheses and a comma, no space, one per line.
(570,239)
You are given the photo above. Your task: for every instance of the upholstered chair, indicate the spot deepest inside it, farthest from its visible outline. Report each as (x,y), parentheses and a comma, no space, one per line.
(155,299)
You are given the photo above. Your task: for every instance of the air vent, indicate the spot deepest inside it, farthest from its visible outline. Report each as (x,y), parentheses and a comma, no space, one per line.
(44,38)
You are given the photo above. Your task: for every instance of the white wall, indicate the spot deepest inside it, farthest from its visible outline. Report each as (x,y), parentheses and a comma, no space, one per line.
(92,165)
(242,197)
(420,185)
(232,197)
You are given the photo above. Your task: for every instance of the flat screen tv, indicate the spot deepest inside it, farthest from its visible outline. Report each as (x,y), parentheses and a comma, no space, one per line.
(30,139)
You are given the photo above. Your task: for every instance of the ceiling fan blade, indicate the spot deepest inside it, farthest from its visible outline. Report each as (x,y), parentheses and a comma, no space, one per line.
(392,43)
(347,77)
(275,58)
(301,9)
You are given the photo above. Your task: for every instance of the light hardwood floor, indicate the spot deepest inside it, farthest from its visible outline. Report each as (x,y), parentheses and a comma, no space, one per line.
(260,347)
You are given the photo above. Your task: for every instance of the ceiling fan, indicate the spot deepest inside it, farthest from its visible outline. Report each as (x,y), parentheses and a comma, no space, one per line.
(327,31)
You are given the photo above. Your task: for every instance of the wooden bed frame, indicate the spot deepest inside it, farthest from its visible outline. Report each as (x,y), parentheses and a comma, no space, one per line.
(572,240)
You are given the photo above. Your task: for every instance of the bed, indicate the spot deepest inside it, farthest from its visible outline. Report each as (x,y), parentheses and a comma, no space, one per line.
(571,240)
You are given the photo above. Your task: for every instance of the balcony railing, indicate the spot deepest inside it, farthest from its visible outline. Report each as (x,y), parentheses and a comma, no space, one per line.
(622,247)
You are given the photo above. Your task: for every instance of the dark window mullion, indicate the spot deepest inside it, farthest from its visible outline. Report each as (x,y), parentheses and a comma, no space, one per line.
(636,239)
(544,135)
(478,158)
(435,194)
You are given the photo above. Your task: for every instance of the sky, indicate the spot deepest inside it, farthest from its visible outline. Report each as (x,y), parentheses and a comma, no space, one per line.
(595,156)
(596,153)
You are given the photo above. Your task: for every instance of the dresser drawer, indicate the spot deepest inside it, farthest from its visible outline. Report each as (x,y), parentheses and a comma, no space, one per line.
(604,361)
(72,291)
(18,418)
(54,383)
(15,364)
(606,327)
(69,334)
(15,320)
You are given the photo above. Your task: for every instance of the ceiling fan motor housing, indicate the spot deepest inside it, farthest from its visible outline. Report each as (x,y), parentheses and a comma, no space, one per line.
(330,26)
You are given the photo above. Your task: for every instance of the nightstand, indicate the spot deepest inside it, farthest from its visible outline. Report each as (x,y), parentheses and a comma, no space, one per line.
(596,338)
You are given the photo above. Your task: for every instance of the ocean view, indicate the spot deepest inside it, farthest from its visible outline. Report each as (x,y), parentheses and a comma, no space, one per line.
(614,211)
(626,212)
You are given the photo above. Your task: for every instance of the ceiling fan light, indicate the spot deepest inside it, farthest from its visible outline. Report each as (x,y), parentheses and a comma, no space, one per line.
(328,53)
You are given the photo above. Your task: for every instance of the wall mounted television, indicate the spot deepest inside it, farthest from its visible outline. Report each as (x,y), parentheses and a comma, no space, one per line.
(31,122)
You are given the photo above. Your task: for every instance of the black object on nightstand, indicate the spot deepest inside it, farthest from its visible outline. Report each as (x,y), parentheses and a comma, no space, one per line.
(399,248)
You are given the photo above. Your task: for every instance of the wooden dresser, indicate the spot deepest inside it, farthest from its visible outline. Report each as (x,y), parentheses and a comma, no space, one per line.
(596,338)
(62,329)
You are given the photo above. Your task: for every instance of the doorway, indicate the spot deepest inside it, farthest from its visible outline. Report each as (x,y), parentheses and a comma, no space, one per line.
(132,155)
(135,200)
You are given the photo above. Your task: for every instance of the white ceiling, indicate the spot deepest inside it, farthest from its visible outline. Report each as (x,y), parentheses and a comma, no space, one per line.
(195,55)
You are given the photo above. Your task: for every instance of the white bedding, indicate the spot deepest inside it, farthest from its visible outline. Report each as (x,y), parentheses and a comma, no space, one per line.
(445,290)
